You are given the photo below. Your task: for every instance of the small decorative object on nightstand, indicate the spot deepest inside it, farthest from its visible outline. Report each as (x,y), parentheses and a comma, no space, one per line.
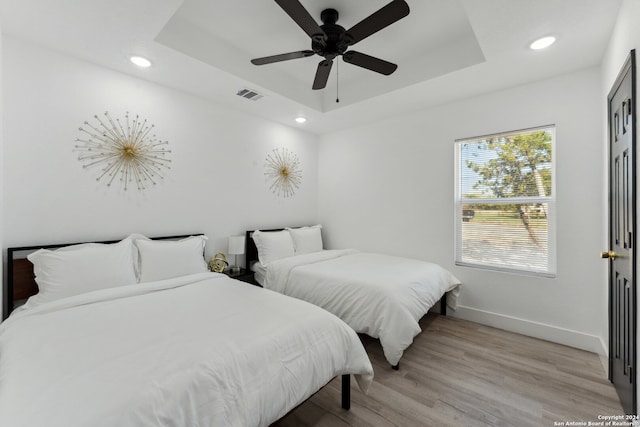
(218,263)
(236,247)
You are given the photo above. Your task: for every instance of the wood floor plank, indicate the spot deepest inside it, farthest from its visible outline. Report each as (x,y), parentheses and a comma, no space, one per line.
(460,373)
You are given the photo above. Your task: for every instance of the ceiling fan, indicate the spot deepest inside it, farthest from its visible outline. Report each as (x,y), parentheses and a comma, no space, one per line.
(331,40)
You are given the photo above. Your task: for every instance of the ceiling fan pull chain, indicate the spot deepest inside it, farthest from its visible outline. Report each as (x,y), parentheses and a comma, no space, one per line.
(337,80)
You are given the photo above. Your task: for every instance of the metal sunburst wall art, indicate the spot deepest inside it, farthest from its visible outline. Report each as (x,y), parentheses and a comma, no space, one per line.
(129,151)
(282,172)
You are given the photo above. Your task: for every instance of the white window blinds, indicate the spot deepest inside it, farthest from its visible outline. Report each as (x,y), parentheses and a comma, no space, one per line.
(505,201)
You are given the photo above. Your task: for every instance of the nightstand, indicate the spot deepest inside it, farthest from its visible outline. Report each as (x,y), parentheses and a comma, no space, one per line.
(242,275)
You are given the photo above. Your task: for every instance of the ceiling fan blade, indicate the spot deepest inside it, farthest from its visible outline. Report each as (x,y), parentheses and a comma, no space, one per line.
(299,14)
(369,62)
(322,74)
(282,57)
(384,17)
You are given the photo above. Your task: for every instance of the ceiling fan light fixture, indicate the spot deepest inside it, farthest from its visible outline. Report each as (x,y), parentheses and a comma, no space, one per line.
(542,43)
(140,61)
(301,119)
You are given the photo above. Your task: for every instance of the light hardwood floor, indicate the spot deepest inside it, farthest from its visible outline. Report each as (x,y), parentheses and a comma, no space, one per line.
(459,373)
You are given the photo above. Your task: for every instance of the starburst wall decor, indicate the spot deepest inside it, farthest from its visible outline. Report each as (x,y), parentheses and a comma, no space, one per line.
(127,151)
(282,172)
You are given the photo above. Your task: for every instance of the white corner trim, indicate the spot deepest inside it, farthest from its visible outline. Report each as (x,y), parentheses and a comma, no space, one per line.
(543,331)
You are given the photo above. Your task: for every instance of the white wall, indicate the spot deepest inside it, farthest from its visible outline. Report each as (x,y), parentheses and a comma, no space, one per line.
(625,37)
(389,187)
(216,183)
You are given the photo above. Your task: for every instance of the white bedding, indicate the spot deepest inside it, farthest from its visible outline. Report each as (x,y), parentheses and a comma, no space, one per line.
(380,295)
(259,272)
(203,350)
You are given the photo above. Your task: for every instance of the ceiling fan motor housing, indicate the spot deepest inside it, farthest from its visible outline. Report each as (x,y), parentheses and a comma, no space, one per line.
(336,41)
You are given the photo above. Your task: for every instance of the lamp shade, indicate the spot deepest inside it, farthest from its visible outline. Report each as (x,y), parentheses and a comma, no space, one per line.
(236,245)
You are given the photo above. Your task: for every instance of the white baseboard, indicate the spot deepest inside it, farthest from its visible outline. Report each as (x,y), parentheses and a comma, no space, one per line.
(604,356)
(543,331)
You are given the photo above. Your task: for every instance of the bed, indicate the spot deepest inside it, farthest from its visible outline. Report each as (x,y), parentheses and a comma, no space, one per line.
(176,347)
(379,295)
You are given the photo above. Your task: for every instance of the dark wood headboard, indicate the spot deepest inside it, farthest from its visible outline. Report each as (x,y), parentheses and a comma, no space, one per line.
(250,249)
(21,284)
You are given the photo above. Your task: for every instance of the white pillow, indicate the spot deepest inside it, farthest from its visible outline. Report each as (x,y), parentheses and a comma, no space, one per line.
(306,239)
(273,245)
(77,269)
(165,259)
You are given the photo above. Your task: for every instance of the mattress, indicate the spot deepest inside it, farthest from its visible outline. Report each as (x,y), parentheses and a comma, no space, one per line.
(201,350)
(380,295)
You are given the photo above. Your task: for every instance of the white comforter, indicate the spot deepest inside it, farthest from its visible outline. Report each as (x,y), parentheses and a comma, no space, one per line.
(203,350)
(380,295)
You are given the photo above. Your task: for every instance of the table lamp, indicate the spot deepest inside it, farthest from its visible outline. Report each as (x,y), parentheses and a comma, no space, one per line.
(236,247)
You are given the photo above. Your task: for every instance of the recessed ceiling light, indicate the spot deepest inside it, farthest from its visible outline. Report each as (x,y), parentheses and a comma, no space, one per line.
(542,43)
(140,61)
(301,119)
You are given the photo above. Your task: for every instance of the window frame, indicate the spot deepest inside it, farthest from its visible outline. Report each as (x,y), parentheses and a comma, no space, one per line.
(550,200)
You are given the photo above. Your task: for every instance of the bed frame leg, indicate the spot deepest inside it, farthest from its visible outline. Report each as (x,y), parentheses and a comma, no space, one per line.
(396,366)
(443,305)
(346,392)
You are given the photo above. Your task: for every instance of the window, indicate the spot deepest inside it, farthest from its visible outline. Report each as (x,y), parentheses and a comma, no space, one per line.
(505,201)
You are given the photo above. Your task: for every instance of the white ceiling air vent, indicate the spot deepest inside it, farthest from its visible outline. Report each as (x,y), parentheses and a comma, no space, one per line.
(250,94)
